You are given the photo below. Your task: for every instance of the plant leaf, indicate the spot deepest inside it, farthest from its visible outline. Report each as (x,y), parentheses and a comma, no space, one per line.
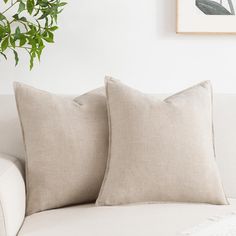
(16,17)
(2,32)
(23,19)
(53,28)
(12,41)
(62,4)
(16,57)
(32,56)
(17,33)
(39,51)
(22,40)
(2,17)
(44,15)
(49,38)
(30,6)
(21,7)
(4,44)
(4,55)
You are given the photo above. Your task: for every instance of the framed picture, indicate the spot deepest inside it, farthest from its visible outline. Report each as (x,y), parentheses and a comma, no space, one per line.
(206,16)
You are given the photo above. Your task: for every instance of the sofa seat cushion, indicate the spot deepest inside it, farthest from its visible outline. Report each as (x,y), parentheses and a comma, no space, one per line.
(138,220)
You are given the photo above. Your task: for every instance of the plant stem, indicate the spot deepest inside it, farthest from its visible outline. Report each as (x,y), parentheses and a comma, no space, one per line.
(27,48)
(23,47)
(10,7)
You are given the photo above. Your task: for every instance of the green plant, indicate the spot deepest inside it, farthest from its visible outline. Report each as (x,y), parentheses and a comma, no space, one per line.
(28,25)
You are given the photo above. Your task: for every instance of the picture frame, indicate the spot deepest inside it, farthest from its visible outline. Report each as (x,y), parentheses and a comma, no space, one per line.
(206,17)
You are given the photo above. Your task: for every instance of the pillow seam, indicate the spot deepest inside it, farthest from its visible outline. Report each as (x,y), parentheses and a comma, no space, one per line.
(99,202)
(213,141)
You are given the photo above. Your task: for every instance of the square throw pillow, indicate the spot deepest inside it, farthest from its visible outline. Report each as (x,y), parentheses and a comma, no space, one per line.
(66,144)
(160,151)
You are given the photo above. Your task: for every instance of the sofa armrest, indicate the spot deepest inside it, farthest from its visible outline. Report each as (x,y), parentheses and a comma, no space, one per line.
(12,196)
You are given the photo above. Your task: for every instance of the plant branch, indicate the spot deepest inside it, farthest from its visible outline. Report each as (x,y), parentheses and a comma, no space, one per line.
(11,22)
(31,30)
(9,7)
(23,47)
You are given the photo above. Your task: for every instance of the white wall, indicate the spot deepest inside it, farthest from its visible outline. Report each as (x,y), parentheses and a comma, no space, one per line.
(133,40)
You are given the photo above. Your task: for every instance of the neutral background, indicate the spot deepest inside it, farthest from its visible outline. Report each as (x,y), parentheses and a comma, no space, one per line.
(133,40)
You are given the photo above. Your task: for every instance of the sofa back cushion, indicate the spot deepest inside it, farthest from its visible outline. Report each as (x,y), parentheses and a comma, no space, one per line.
(66,143)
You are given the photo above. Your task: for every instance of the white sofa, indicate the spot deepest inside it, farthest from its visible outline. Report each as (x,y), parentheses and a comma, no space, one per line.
(88,220)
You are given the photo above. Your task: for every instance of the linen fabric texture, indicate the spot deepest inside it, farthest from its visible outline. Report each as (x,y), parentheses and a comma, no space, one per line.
(66,145)
(160,151)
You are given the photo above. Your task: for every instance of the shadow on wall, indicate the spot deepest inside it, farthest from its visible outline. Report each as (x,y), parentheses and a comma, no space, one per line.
(166,18)
(11,141)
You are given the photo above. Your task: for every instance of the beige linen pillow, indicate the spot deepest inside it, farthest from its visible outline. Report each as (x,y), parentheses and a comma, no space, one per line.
(160,151)
(66,143)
